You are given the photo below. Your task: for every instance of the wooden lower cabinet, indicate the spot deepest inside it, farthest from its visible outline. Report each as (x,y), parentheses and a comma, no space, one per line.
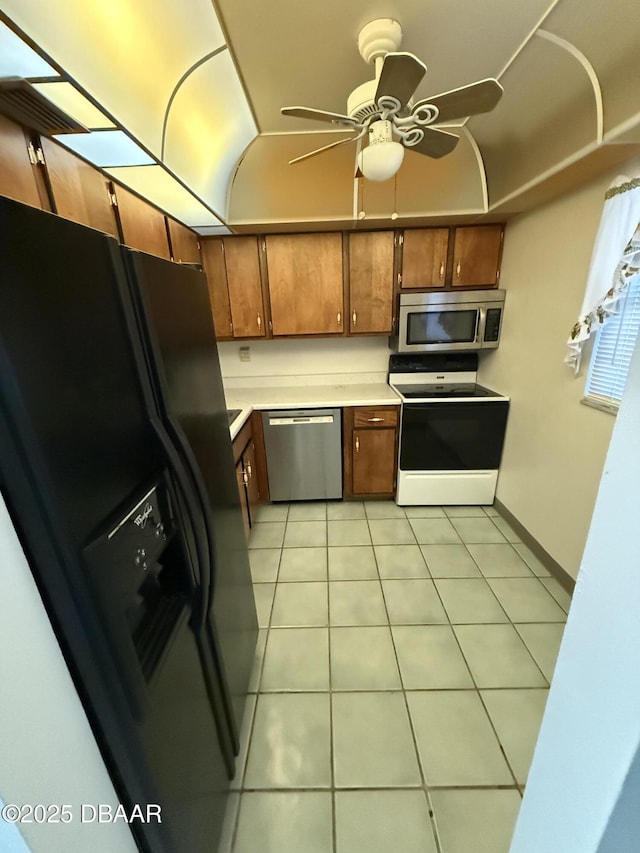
(370,448)
(251,469)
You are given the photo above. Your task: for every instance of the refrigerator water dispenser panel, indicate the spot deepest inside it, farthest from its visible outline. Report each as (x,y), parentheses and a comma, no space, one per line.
(140,578)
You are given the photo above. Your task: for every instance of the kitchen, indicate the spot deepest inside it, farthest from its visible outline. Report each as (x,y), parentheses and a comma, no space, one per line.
(550,437)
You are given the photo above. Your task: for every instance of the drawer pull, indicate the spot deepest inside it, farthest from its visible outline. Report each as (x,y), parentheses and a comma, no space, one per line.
(374,420)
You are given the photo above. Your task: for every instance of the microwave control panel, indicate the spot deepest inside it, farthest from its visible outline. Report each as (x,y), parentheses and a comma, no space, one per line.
(492,324)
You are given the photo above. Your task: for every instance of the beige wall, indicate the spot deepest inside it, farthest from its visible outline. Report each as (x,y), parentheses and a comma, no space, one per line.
(555,447)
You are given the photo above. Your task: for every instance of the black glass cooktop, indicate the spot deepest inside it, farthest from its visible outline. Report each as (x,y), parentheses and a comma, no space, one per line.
(460,389)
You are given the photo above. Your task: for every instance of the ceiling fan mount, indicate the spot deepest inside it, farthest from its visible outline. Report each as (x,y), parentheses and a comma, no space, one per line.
(388,99)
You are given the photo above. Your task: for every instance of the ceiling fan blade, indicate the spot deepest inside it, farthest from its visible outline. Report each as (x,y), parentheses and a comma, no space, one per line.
(400,75)
(480,97)
(318,115)
(320,150)
(435,143)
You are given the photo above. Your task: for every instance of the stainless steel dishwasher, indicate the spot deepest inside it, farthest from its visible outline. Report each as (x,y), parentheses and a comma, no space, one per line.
(304,454)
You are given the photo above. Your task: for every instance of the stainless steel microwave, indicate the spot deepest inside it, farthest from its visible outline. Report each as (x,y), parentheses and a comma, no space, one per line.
(448,321)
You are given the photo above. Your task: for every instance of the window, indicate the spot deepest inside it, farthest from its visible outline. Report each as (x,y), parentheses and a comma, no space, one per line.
(612,351)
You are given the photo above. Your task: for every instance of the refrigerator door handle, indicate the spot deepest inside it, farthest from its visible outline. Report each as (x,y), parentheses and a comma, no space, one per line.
(190,464)
(202,548)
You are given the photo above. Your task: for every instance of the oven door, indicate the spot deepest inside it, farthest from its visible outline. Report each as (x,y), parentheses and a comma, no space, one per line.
(434,328)
(452,436)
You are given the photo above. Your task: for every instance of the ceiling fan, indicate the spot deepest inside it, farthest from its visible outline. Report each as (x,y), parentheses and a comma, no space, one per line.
(382,109)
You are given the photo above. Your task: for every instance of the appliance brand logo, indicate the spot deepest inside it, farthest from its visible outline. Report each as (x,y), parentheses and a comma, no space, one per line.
(141,519)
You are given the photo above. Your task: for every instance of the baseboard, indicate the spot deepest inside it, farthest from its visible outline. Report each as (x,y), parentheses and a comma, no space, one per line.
(562,576)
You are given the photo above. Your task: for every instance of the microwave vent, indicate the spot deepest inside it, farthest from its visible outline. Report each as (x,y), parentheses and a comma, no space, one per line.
(22,103)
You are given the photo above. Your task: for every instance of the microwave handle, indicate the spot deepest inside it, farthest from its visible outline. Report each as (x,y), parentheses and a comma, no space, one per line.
(481,322)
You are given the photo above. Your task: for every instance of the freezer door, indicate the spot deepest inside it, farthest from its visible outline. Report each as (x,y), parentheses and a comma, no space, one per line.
(175,313)
(69,366)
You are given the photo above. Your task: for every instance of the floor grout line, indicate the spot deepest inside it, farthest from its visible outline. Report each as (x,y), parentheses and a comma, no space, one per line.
(332,789)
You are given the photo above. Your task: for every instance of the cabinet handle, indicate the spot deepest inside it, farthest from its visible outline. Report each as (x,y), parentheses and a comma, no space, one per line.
(249,469)
(357,444)
(245,479)
(374,420)
(339,317)
(354,318)
(259,321)
(442,270)
(458,268)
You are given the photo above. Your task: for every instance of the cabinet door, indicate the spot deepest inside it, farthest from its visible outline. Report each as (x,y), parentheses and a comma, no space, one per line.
(184,243)
(374,461)
(306,284)
(214,266)
(19,179)
(424,257)
(79,191)
(476,255)
(240,477)
(244,284)
(143,226)
(371,282)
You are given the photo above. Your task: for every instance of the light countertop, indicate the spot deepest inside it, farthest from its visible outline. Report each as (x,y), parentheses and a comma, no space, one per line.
(309,396)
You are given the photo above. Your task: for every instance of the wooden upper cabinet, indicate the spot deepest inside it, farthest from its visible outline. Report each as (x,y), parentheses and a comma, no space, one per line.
(244,284)
(80,192)
(184,243)
(19,178)
(476,256)
(424,257)
(306,284)
(143,226)
(214,266)
(371,282)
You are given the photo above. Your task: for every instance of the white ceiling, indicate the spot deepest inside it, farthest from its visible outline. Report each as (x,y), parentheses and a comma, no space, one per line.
(569,70)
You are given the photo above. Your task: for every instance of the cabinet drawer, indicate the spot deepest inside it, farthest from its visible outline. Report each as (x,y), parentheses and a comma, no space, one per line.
(376,416)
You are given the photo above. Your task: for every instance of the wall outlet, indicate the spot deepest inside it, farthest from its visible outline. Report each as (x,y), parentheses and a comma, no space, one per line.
(245,354)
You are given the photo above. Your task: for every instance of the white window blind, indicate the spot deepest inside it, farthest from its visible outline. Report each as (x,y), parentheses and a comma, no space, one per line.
(613,349)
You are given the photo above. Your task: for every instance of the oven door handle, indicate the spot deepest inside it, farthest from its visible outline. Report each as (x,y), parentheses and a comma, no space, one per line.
(481,322)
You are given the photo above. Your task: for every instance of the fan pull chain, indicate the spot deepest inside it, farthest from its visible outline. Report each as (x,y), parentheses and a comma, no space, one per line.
(394,215)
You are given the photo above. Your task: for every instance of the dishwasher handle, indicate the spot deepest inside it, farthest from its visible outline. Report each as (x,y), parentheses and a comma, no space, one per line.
(301,420)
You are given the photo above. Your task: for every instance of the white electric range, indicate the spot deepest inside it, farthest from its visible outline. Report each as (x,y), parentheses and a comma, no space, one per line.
(452,430)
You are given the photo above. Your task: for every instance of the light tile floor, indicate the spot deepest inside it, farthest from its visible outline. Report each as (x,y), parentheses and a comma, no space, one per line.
(401,675)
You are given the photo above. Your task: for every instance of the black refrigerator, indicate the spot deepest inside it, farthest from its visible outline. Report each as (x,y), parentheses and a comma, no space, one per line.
(117,468)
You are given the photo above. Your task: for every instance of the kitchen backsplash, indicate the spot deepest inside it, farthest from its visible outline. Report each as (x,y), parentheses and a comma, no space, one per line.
(317,361)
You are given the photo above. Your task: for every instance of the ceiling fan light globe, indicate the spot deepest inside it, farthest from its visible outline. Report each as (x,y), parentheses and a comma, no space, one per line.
(381,161)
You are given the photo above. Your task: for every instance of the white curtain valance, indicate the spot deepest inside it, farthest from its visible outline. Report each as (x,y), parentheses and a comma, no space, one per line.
(615,258)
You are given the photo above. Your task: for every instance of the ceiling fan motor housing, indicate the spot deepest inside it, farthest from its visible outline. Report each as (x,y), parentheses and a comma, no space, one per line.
(379,37)
(361,102)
